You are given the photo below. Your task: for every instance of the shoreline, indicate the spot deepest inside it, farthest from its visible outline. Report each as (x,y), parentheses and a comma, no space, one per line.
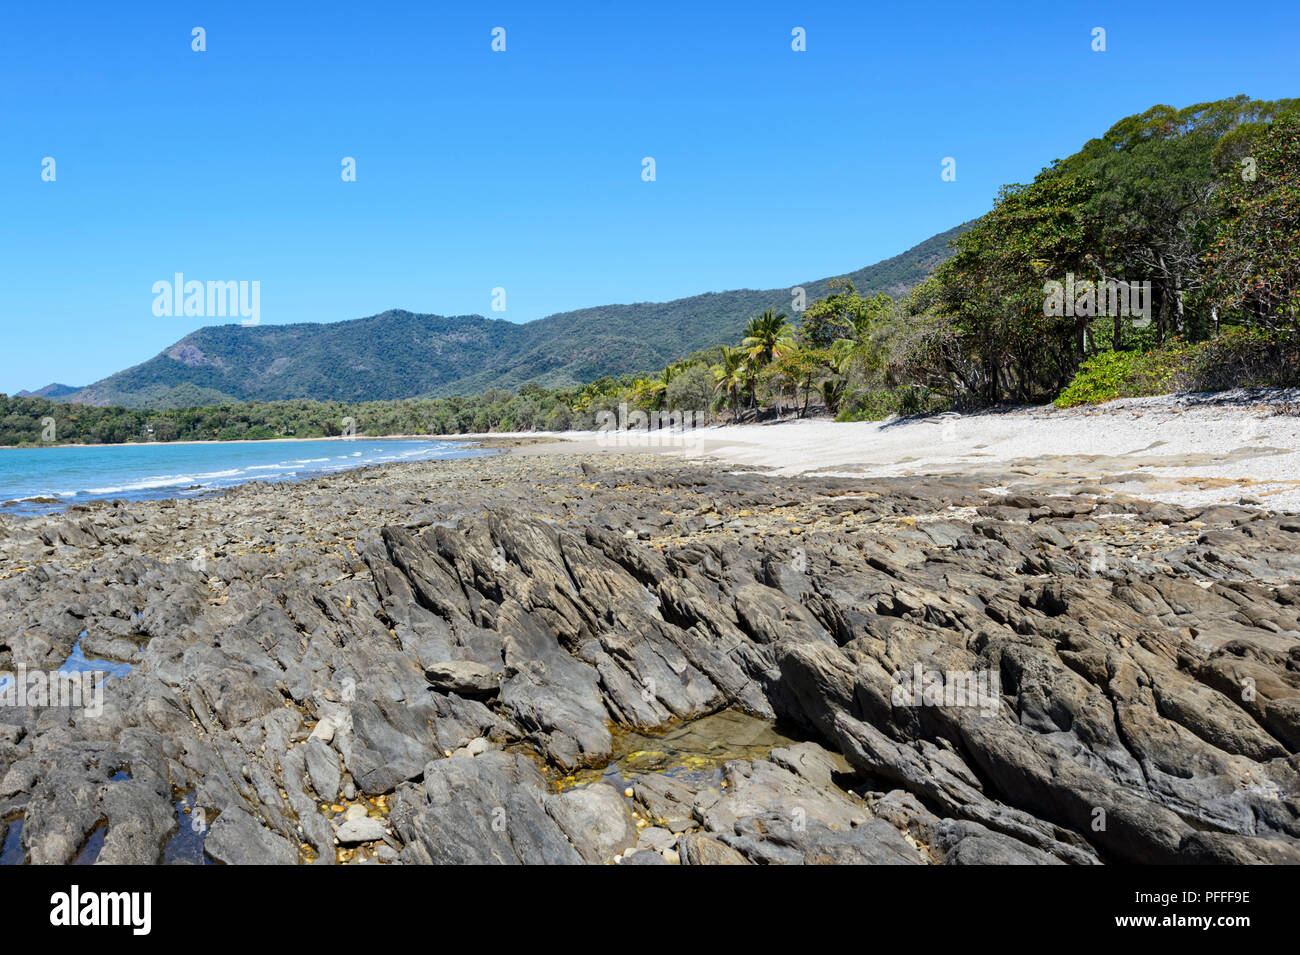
(150,444)
(152,487)
(1228,448)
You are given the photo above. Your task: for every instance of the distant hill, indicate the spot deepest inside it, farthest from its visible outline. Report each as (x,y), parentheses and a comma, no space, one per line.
(399,354)
(49,391)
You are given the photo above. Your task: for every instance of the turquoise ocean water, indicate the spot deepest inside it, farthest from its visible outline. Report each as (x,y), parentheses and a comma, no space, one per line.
(43,480)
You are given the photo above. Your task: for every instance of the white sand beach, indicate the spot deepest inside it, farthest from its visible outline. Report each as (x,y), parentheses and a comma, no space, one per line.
(1185,449)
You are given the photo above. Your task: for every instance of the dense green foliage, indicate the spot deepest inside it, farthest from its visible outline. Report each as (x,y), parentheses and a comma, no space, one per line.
(1254,262)
(1200,202)
(23,420)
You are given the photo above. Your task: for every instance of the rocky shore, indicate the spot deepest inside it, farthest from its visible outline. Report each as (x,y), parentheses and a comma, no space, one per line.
(641,659)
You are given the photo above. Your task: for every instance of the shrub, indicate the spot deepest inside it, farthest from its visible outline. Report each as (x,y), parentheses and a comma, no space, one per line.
(1239,358)
(1103,377)
(690,390)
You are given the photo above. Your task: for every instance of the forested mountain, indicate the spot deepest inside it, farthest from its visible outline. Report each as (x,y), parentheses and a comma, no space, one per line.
(399,354)
(54,390)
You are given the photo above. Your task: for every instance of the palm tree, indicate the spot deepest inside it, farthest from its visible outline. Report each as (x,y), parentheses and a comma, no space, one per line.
(665,379)
(766,336)
(799,367)
(732,376)
(861,350)
(647,393)
(833,393)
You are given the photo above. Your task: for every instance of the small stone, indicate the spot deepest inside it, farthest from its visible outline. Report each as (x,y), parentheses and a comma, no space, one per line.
(656,839)
(356,831)
(475,747)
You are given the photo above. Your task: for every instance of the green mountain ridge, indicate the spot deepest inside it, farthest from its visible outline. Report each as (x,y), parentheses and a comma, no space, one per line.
(52,391)
(399,354)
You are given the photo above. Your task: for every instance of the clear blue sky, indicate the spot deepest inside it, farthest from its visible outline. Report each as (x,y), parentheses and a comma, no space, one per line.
(523,169)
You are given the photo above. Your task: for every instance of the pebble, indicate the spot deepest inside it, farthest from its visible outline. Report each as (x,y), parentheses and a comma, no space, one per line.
(356,831)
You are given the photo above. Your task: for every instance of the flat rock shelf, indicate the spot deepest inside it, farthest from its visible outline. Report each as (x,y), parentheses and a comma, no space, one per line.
(642,659)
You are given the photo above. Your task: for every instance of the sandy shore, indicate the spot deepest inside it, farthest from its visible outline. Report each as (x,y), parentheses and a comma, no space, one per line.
(1182,449)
